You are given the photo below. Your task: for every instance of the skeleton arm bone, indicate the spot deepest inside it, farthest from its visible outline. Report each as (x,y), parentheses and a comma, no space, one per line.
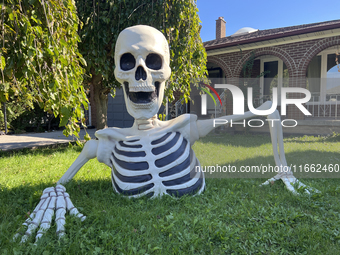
(57,200)
(89,152)
(206,126)
(285,173)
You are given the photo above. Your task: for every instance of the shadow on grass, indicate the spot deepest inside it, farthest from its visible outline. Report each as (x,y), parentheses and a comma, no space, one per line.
(95,199)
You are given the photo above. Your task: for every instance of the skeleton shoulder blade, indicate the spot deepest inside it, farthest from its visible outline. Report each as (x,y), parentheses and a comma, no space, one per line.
(107,139)
(112,134)
(186,125)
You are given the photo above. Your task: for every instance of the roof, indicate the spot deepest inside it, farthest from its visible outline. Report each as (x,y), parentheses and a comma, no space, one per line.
(268,34)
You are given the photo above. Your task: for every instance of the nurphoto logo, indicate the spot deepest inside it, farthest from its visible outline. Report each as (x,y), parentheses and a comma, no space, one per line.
(238,104)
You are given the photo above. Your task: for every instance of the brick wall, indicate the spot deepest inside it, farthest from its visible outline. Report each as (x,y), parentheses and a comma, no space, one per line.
(296,56)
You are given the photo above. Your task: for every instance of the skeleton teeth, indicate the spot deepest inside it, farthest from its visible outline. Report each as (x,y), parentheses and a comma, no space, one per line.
(142,106)
(141,87)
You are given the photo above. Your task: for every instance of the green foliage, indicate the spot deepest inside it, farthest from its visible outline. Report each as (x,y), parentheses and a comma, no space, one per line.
(102,21)
(162,117)
(247,67)
(40,61)
(14,108)
(28,118)
(22,118)
(33,120)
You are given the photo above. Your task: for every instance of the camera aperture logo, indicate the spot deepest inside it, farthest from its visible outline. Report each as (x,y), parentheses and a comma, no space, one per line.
(238,104)
(204,98)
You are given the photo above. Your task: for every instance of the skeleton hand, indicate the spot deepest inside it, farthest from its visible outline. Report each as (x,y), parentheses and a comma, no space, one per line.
(292,184)
(51,199)
(286,175)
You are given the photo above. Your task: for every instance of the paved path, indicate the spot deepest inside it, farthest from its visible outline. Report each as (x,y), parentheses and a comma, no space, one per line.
(33,140)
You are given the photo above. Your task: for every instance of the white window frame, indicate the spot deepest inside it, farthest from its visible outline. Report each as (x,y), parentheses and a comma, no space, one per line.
(269,58)
(323,83)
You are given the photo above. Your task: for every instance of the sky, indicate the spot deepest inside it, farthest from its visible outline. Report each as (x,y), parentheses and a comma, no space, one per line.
(263,14)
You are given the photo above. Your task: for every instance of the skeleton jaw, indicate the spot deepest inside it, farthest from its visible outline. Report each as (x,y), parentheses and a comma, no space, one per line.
(143,102)
(141,86)
(142,94)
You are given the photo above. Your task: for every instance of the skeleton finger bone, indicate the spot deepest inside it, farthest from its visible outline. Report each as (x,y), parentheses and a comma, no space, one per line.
(47,219)
(32,215)
(70,207)
(60,213)
(291,182)
(36,221)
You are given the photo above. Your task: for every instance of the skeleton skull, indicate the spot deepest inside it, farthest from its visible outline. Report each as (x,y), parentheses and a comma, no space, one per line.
(142,67)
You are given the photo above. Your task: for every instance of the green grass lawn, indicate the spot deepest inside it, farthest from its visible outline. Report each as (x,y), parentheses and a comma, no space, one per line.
(232,216)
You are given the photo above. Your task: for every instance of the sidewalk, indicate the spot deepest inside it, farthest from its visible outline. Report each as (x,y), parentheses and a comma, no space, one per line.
(34,140)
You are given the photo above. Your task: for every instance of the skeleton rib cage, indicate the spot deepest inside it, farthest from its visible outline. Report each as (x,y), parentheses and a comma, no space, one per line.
(152,167)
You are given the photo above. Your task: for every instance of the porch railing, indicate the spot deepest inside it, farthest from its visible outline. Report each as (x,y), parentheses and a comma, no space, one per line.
(327,109)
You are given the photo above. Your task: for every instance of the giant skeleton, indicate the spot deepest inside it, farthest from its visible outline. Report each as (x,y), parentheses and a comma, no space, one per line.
(153,157)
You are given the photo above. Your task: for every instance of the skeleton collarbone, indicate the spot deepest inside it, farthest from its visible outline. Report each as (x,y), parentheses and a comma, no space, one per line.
(156,161)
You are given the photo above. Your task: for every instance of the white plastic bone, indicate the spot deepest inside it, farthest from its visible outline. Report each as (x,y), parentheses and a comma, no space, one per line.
(89,152)
(47,218)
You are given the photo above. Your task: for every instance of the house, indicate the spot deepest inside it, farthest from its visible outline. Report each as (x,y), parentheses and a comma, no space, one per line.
(297,56)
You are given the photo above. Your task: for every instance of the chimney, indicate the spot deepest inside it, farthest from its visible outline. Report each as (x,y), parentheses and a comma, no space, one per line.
(220,27)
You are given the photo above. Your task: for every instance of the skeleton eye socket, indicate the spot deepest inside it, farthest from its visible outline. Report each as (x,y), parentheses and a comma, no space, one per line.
(127,62)
(153,61)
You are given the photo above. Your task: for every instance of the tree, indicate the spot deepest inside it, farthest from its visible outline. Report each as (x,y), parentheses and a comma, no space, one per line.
(39,59)
(104,20)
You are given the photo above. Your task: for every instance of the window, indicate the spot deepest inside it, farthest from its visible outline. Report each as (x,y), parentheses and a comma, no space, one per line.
(276,76)
(323,77)
(333,79)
